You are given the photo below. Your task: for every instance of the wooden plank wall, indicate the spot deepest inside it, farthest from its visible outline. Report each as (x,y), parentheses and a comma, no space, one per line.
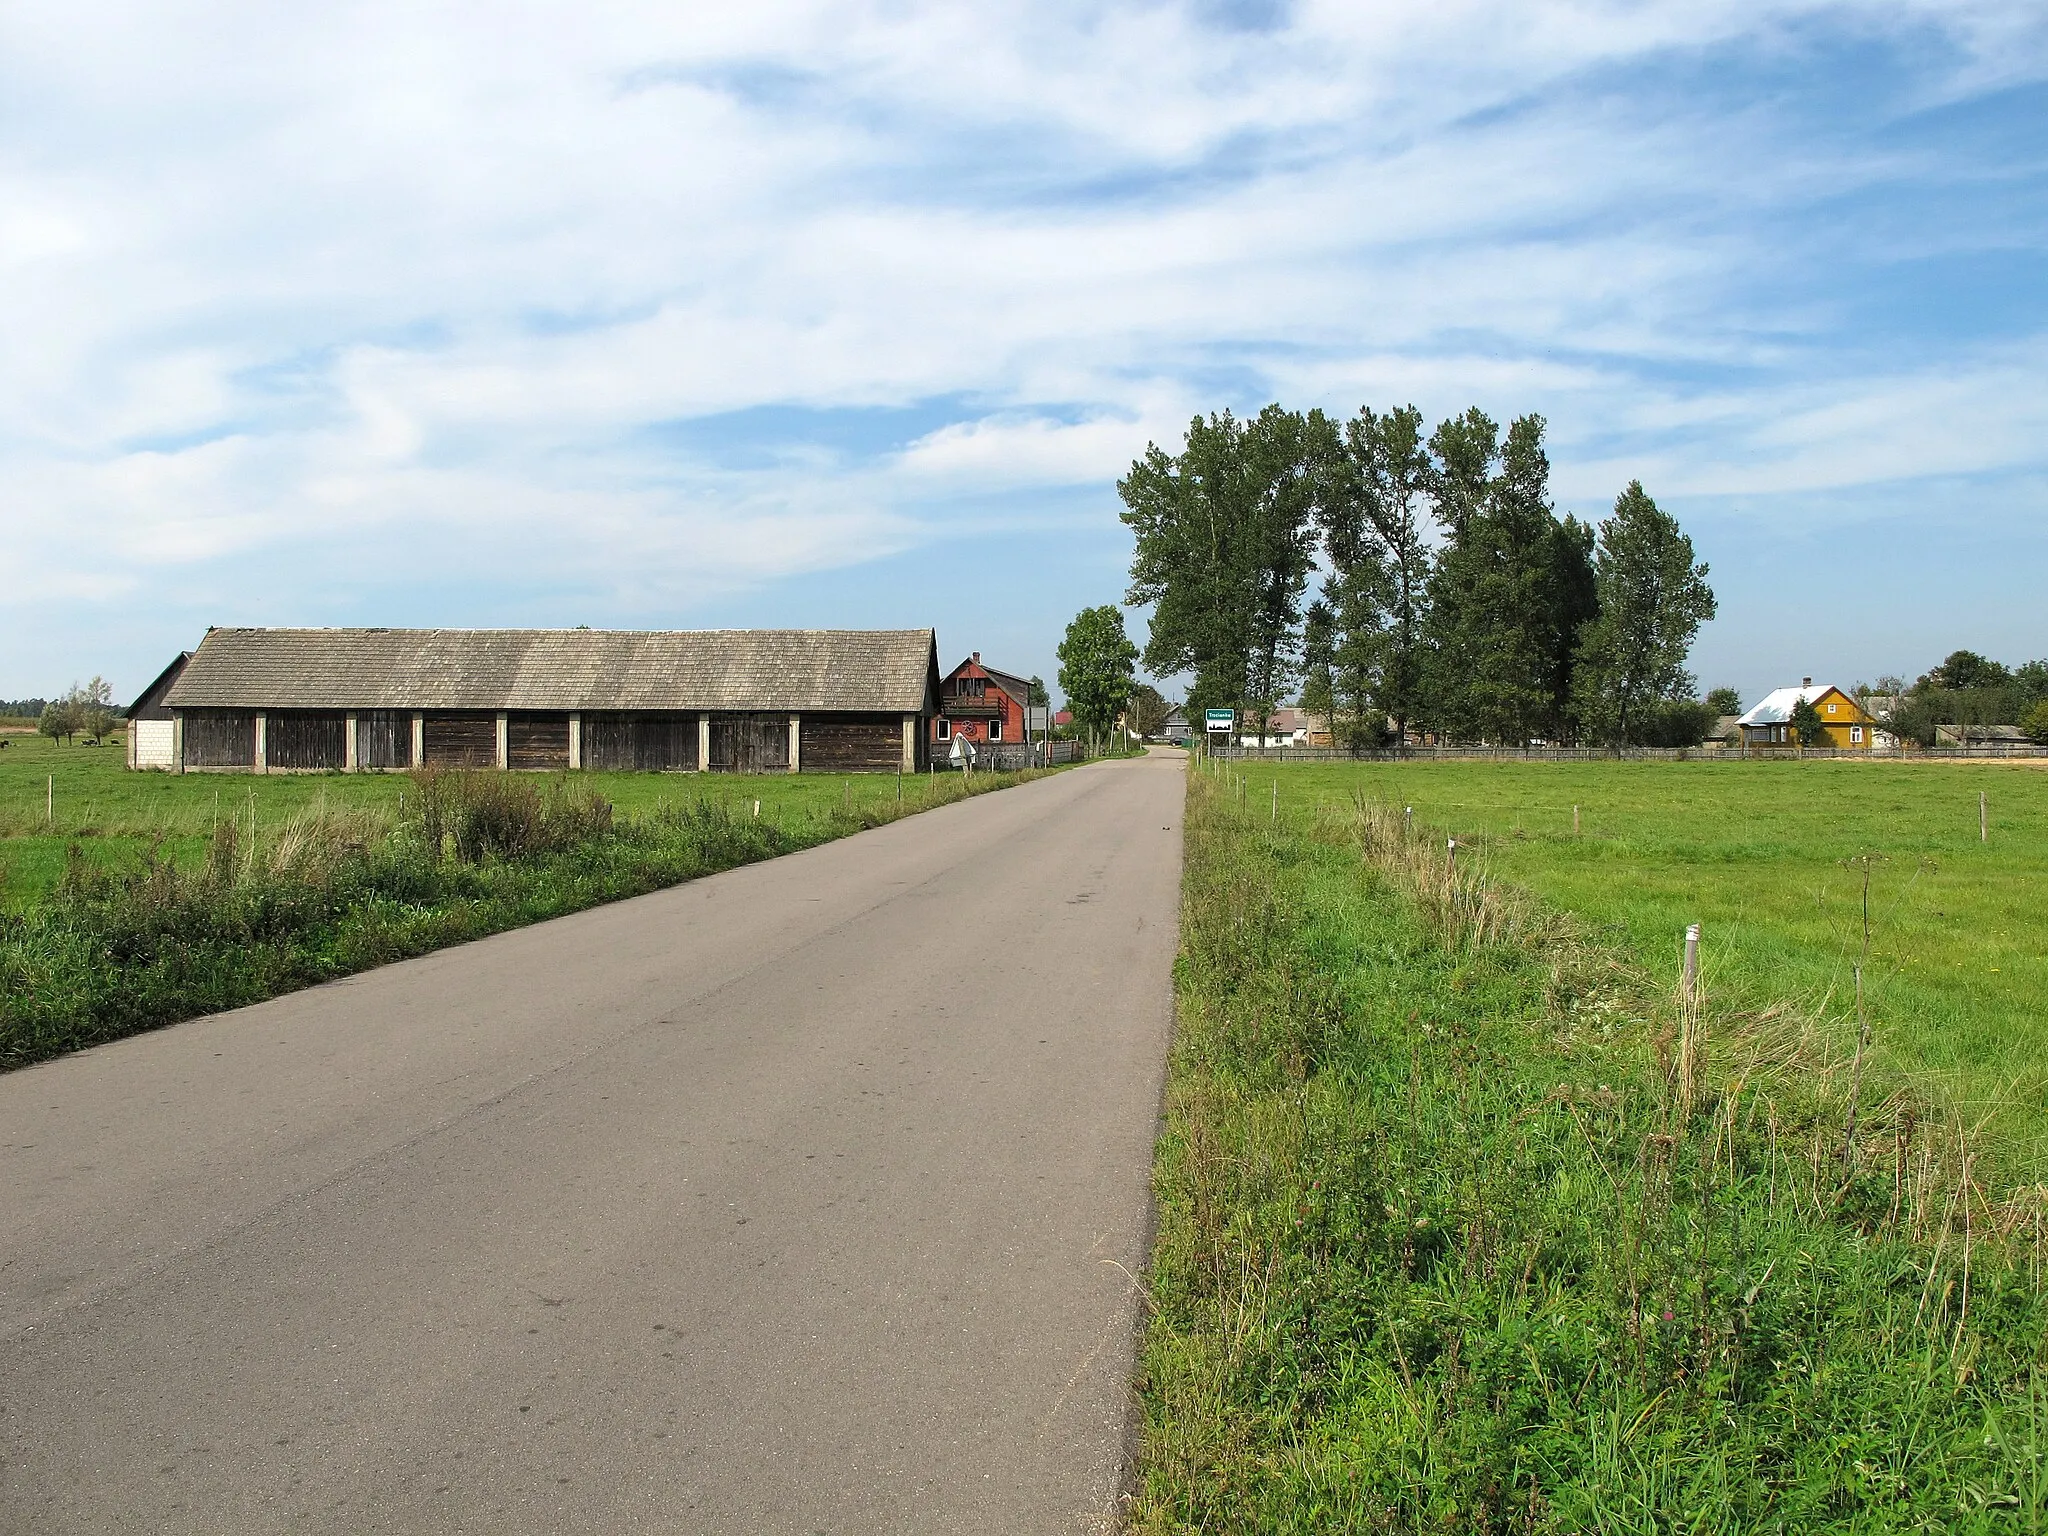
(537,741)
(220,738)
(851,743)
(303,738)
(384,738)
(644,743)
(466,740)
(750,743)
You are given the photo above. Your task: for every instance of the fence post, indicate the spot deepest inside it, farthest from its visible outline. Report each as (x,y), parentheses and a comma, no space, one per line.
(1983,817)
(1451,859)
(1689,1052)
(1575,821)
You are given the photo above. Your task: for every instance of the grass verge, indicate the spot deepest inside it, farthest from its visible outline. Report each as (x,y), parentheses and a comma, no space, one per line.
(1464,1226)
(113,949)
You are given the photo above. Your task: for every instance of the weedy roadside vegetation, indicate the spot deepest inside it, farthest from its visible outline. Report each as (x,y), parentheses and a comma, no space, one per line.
(1466,1224)
(115,949)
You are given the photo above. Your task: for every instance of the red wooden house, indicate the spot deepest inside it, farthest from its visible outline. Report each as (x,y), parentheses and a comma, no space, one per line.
(982,704)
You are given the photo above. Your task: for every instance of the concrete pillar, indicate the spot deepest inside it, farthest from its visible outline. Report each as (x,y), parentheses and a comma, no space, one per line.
(703,743)
(575,741)
(504,741)
(177,741)
(262,742)
(349,760)
(795,742)
(910,743)
(419,739)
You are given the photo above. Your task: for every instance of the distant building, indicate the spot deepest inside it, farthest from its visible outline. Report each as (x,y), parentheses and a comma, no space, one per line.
(1768,725)
(1177,728)
(764,701)
(983,705)
(152,728)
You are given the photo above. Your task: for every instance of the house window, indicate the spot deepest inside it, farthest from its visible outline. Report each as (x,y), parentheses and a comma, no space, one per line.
(945,729)
(1831,709)
(995,730)
(1855,735)
(971,687)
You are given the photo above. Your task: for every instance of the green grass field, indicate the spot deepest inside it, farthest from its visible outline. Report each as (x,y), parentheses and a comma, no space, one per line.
(1459,1231)
(52,795)
(1958,969)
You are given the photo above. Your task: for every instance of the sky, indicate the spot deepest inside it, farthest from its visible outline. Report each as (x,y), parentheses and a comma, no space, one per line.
(851,315)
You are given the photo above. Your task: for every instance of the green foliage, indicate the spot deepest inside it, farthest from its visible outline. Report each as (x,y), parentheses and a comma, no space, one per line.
(1510,592)
(1095,667)
(2035,722)
(1652,600)
(87,708)
(1146,710)
(1808,726)
(1724,701)
(1380,562)
(1224,547)
(1966,670)
(1442,1247)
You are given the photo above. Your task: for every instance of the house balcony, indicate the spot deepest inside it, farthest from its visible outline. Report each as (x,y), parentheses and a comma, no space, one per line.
(970,709)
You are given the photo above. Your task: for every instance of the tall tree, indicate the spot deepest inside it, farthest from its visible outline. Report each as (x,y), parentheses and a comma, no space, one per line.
(1095,667)
(1502,597)
(1379,560)
(1224,550)
(1653,598)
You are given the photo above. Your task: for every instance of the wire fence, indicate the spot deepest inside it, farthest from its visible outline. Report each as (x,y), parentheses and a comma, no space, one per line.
(1976,750)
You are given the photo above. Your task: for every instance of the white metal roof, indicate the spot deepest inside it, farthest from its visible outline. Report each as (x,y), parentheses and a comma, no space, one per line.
(1775,707)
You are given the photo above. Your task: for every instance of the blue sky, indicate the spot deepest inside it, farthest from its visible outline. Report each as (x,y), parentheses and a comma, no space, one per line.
(852,314)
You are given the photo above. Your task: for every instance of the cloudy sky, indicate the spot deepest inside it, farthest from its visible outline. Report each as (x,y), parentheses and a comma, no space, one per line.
(851,314)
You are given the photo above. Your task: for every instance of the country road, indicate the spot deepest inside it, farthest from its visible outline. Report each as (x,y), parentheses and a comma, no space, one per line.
(809,1197)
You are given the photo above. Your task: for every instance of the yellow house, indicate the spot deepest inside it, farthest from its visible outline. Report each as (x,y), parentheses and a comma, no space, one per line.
(1849,726)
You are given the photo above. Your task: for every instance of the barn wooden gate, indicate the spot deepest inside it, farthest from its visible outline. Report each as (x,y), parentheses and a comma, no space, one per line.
(750,743)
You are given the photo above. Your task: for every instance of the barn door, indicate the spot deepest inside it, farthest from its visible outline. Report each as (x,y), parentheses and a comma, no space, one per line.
(750,743)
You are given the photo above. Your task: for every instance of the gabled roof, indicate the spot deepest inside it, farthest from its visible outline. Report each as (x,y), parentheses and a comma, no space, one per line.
(155,691)
(1775,707)
(1018,688)
(894,670)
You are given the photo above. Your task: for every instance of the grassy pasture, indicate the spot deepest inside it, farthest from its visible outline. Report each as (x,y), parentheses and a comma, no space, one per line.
(114,814)
(1958,971)
(1451,1238)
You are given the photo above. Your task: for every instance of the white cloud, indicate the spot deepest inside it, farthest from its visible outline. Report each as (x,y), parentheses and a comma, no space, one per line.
(344,283)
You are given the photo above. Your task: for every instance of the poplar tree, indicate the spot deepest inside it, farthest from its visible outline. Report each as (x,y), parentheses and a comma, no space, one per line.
(1511,589)
(1095,667)
(1653,598)
(1224,548)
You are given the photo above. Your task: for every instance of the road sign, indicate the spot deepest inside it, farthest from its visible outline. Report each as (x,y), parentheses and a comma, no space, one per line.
(1219,719)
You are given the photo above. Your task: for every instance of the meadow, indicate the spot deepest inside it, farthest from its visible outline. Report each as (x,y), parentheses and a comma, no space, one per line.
(55,796)
(150,898)
(1761,855)
(1468,1222)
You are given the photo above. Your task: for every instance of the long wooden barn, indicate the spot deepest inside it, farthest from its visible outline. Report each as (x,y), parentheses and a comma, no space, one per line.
(733,700)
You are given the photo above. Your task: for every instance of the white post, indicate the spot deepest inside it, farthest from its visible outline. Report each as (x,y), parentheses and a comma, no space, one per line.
(349,758)
(178,741)
(909,747)
(1983,817)
(504,740)
(575,741)
(262,742)
(795,743)
(703,743)
(419,739)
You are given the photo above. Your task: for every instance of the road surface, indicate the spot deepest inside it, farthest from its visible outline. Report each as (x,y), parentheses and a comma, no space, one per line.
(808,1197)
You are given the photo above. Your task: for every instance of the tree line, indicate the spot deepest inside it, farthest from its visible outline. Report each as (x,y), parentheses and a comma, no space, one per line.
(1452,600)
(1968,691)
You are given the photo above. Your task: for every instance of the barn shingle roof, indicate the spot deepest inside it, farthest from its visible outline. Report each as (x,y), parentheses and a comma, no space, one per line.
(892,670)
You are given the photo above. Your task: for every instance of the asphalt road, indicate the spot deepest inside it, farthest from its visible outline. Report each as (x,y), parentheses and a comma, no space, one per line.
(807,1198)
